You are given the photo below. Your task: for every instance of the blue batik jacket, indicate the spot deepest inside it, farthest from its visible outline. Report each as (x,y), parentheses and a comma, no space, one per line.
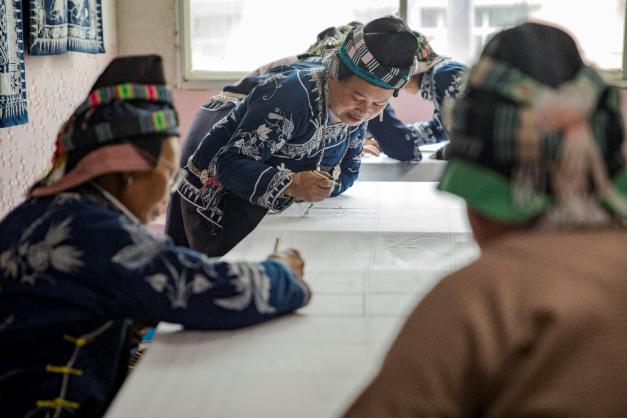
(398,140)
(76,268)
(282,126)
(401,141)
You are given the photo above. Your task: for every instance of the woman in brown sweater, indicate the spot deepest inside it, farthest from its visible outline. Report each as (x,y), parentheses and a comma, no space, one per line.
(537,325)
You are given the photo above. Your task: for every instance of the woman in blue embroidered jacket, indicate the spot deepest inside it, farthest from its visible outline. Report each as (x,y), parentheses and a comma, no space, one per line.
(77,266)
(296,136)
(436,79)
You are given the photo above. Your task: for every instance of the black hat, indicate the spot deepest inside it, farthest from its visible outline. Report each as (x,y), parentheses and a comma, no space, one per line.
(129,103)
(383,53)
(391,42)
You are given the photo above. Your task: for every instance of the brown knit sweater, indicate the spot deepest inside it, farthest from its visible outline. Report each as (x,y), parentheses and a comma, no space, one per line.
(535,327)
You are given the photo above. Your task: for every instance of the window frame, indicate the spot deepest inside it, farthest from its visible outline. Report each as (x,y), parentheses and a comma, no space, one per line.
(212,80)
(196,80)
(208,80)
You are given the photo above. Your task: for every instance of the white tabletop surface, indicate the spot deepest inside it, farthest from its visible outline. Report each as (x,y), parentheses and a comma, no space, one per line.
(385,169)
(370,255)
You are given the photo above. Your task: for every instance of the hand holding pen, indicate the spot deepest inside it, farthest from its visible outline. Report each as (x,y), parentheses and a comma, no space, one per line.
(310,186)
(291,257)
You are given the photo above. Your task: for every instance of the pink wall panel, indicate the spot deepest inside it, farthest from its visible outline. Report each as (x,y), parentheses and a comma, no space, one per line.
(56,85)
(412,108)
(188,102)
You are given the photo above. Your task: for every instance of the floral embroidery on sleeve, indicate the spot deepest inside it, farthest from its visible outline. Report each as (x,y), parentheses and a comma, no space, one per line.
(30,261)
(252,285)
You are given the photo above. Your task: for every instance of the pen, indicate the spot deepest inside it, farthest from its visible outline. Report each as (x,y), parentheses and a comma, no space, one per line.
(276,250)
(323,174)
(327,176)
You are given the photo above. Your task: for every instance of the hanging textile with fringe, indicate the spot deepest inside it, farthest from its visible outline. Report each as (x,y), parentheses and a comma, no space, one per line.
(13,109)
(58,26)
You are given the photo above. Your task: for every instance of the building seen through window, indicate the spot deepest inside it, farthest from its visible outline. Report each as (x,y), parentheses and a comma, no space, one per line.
(236,36)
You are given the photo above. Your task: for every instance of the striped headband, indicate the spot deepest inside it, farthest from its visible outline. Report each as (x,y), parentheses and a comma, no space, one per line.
(355,54)
(124,92)
(134,120)
(139,123)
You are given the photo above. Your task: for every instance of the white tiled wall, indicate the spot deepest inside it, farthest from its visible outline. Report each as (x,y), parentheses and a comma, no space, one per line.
(56,85)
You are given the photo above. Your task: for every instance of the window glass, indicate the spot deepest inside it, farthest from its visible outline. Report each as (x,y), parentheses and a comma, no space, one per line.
(241,35)
(597,25)
(237,36)
(433,17)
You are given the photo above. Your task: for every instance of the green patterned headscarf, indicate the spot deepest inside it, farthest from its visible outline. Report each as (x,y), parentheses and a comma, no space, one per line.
(523,150)
(329,39)
(426,56)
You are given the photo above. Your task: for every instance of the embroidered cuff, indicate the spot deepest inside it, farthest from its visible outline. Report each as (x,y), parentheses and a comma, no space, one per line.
(272,198)
(206,201)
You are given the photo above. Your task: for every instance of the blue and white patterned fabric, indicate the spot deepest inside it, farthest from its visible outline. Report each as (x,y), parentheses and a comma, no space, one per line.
(282,126)
(76,268)
(58,26)
(401,141)
(222,104)
(398,140)
(13,110)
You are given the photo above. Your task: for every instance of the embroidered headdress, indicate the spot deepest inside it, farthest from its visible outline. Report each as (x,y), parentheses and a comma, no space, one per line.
(119,127)
(328,39)
(383,53)
(426,57)
(537,134)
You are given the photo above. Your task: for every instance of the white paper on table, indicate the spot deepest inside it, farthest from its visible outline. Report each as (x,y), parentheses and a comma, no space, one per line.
(370,255)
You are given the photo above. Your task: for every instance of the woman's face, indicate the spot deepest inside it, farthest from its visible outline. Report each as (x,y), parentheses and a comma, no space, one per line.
(146,193)
(353,100)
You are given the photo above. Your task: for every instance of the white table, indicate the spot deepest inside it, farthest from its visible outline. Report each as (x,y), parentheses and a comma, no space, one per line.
(385,169)
(370,254)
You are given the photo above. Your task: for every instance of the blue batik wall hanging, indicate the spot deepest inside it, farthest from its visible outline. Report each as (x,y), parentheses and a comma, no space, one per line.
(12,78)
(58,26)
